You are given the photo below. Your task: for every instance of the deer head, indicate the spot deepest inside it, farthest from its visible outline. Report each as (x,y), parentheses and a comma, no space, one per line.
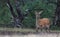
(38,13)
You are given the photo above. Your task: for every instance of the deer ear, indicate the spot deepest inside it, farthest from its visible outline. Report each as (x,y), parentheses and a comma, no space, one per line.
(40,12)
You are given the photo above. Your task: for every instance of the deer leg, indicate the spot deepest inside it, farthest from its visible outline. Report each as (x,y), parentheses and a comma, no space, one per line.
(37,28)
(48,28)
(41,28)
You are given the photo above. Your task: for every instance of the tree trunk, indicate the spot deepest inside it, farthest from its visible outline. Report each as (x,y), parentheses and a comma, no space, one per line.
(15,18)
(11,9)
(57,14)
(19,12)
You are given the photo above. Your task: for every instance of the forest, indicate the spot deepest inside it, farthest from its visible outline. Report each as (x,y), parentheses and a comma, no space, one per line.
(24,10)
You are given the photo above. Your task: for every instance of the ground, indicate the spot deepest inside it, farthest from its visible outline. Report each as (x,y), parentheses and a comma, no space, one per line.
(34,35)
(17,32)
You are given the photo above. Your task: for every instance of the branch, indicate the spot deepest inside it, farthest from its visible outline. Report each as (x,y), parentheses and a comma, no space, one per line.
(11,8)
(18,9)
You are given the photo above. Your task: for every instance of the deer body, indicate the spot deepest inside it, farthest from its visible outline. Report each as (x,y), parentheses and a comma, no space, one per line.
(43,23)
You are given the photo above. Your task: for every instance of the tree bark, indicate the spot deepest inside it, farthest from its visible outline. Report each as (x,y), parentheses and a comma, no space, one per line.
(11,9)
(18,9)
(19,12)
(57,14)
(15,18)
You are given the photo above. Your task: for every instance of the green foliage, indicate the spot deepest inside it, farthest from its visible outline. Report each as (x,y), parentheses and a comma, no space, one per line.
(29,21)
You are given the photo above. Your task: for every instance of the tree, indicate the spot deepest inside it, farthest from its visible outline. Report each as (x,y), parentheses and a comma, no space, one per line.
(57,14)
(19,8)
(19,17)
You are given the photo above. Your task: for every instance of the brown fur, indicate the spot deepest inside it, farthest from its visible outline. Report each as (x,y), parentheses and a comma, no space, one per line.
(44,23)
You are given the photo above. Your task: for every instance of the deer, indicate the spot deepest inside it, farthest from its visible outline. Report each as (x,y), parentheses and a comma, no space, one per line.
(42,23)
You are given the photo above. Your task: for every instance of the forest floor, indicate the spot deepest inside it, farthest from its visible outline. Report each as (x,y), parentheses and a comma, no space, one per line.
(18,32)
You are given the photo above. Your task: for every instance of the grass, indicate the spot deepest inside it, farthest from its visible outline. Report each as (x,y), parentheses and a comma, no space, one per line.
(22,30)
(17,29)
